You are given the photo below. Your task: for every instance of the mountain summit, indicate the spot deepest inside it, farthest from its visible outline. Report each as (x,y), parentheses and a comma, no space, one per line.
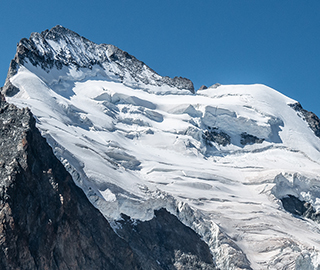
(61,49)
(237,164)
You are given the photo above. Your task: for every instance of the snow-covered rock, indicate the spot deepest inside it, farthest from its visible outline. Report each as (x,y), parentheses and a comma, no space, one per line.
(220,159)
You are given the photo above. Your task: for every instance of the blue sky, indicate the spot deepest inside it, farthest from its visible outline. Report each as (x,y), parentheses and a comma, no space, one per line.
(273,42)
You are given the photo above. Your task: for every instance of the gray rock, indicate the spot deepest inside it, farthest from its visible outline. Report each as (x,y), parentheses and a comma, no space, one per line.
(203,87)
(165,243)
(312,120)
(216,85)
(217,136)
(249,139)
(9,89)
(300,208)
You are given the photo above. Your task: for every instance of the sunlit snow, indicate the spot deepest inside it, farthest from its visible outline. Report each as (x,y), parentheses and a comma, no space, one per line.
(135,147)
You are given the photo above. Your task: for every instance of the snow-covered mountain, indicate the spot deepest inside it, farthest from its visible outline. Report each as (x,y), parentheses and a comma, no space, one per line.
(239,164)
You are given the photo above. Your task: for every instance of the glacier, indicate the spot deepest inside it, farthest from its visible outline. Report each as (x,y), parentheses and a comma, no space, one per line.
(221,159)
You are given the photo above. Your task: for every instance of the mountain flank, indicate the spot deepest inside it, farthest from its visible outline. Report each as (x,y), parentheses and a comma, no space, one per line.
(47,222)
(227,177)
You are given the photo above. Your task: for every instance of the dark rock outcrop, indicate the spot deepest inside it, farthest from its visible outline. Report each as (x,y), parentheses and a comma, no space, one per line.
(217,136)
(312,120)
(203,87)
(165,243)
(249,139)
(9,90)
(300,208)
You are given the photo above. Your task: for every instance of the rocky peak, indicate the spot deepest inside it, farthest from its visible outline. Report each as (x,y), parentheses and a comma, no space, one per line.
(60,47)
(59,32)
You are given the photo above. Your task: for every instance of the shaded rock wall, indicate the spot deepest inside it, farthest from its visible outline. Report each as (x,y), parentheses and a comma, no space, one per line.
(165,243)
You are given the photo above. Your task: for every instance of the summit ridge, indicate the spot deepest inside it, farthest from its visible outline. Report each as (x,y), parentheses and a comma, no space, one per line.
(61,48)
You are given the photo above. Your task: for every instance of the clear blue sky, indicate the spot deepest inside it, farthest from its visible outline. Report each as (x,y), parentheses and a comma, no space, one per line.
(273,42)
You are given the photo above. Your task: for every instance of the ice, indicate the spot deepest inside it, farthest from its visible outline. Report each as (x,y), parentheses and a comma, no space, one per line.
(134,147)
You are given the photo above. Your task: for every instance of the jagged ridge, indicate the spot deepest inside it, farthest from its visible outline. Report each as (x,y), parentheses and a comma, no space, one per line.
(61,47)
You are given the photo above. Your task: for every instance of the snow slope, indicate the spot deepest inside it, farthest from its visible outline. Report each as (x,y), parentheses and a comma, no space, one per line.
(219,159)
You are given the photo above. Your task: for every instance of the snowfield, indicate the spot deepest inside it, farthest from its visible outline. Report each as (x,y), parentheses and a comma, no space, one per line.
(219,159)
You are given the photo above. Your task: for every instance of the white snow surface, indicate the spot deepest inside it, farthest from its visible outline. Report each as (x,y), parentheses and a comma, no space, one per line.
(134,148)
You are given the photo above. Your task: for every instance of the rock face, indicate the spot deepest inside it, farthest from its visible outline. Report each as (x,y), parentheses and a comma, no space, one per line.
(249,139)
(300,208)
(167,243)
(48,223)
(203,87)
(217,136)
(312,120)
